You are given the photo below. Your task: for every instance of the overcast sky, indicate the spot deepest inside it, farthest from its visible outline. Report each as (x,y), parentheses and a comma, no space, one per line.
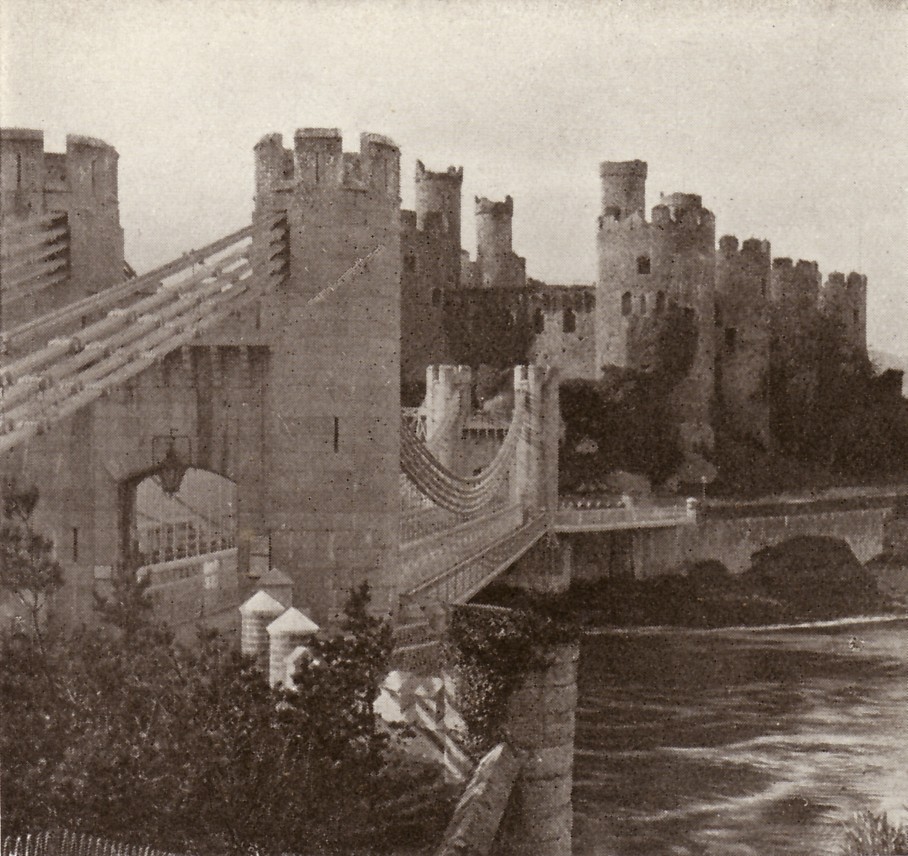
(789,119)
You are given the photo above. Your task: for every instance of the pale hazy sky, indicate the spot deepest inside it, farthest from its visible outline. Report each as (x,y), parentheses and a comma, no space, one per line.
(789,119)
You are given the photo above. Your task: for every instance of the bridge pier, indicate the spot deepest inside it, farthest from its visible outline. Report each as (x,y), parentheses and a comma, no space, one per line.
(539,818)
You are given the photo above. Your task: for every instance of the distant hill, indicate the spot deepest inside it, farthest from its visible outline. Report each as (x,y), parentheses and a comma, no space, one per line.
(885,360)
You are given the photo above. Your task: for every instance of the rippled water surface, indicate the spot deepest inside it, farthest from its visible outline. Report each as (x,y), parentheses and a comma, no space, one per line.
(738,742)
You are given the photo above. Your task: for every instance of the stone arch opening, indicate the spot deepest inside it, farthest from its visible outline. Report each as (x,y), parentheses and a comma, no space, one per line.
(196,520)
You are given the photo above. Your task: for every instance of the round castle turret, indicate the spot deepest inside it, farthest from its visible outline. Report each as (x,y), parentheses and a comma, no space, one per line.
(656,277)
(438,193)
(623,188)
(498,265)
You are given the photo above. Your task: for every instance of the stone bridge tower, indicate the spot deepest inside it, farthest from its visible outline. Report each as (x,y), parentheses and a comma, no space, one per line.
(79,185)
(331,475)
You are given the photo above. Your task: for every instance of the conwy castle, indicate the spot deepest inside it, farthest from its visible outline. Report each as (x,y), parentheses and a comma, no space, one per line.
(287,361)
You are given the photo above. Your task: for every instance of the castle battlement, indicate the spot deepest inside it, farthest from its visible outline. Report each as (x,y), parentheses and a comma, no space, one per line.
(491,208)
(35,182)
(318,164)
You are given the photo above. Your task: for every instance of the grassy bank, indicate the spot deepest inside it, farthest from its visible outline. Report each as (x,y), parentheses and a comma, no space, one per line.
(805,579)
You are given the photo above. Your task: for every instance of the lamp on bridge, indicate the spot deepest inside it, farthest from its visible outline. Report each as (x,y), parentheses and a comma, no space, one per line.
(174,453)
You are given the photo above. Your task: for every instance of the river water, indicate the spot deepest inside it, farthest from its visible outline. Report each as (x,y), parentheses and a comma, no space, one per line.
(734,742)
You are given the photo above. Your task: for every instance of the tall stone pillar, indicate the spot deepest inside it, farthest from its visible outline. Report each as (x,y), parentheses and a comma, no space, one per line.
(447,406)
(539,817)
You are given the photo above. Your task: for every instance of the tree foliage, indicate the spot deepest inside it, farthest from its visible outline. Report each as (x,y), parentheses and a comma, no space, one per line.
(120,731)
(622,422)
(494,649)
(829,406)
(486,326)
(28,569)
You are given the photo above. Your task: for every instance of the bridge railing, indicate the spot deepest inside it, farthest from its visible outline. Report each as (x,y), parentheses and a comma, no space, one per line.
(458,582)
(570,518)
(184,590)
(424,557)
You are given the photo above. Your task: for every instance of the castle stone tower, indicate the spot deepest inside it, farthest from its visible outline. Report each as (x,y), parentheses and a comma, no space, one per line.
(743,335)
(81,186)
(430,269)
(655,298)
(331,476)
(497,264)
(623,188)
(844,300)
(438,195)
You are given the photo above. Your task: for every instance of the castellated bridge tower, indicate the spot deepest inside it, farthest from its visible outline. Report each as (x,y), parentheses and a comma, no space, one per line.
(743,275)
(330,478)
(497,263)
(655,298)
(80,186)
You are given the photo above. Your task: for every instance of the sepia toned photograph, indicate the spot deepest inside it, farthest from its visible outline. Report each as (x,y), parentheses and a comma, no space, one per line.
(453,428)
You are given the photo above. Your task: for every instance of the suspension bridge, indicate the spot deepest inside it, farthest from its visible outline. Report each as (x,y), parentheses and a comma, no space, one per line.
(270,357)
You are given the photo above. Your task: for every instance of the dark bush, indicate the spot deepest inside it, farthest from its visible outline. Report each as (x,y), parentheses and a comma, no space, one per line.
(817,577)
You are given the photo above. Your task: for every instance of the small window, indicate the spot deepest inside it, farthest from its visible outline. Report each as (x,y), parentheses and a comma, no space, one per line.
(642,264)
(410,263)
(626,305)
(660,302)
(538,321)
(18,171)
(856,315)
(731,339)
(336,434)
(436,297)
(75,543)
(643,304)
(569,321)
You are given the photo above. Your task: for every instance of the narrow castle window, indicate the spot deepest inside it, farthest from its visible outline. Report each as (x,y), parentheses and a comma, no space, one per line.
(642,264)
(856,315)
(75,543)
(94,175)
(568,321)
(18,171)
(660,302)
(336,434)
(731,339)
(436,297)
(538,321)
(643,304)
(626,305)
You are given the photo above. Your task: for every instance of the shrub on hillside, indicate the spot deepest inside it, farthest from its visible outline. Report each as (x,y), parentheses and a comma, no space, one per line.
(817,577)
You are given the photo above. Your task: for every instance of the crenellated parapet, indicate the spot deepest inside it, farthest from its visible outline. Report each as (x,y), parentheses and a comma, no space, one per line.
(79,185)
(317,164)
(36,182)
(795,285)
